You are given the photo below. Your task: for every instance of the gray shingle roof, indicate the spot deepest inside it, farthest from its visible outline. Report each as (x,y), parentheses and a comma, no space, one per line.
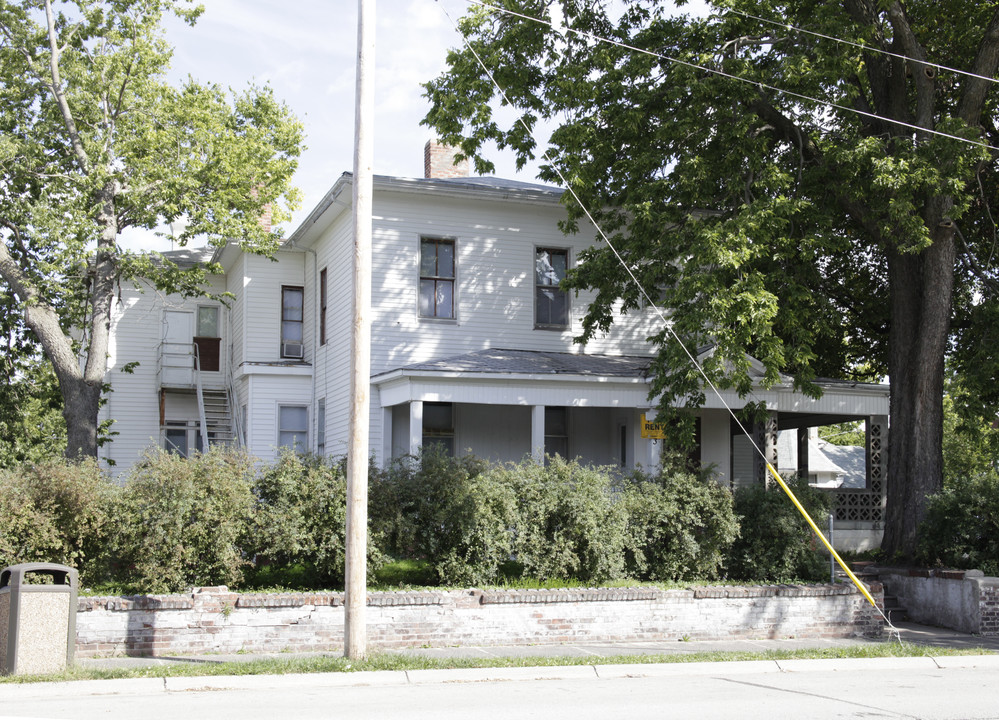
(531,362)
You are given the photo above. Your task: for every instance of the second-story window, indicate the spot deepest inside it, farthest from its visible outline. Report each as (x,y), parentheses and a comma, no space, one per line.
(436,278)
(292,322)
(551,303)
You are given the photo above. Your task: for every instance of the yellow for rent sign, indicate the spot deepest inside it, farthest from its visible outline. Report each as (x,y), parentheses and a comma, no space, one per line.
(652,430)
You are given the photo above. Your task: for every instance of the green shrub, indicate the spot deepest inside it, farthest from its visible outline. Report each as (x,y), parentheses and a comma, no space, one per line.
(57,511)
(452,512)
(961,527)
(185,521)
(775,543)
(301,519)
(679,527)
(569,525)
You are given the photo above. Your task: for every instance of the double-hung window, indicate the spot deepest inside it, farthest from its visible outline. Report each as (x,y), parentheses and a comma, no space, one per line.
(293,427)
(551,303)
(292,322)
(436,278)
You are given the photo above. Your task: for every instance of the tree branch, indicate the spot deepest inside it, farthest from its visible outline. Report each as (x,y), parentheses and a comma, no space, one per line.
(59,95)
(984,67)
(39,316)
(923,74)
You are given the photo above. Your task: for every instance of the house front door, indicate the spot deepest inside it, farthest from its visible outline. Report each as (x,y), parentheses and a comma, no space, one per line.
(177,349)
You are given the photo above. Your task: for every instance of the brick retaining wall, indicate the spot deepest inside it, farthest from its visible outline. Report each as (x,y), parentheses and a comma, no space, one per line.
(963,600)
(213,619)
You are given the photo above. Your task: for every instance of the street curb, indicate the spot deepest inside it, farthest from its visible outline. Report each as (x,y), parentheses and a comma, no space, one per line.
(735,667)
(460,675)
(968,661)
(858,664)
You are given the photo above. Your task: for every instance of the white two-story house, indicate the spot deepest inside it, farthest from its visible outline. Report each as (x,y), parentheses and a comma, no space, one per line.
(472,348)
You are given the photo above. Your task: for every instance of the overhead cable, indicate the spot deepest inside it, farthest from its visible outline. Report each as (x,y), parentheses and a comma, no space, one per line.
(669,326)
(730,76)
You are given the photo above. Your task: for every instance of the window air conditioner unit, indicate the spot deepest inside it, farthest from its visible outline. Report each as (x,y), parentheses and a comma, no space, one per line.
(292,350)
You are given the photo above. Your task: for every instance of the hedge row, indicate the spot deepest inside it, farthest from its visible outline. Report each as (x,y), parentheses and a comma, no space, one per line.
(221,518)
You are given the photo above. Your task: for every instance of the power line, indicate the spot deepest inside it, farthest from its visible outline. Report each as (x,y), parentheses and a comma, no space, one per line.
(669,326)
(863,46)
(730,76)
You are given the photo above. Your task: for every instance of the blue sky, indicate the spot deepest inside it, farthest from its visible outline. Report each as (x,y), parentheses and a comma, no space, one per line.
(305,50)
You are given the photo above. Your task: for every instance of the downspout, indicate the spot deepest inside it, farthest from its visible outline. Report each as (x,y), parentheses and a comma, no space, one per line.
(315,337)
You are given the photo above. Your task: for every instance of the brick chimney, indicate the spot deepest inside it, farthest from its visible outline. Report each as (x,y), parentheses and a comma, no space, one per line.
(438,162)
(265,217)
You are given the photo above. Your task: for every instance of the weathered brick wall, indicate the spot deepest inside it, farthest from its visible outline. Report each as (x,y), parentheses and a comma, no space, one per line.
(216,620)
(963,600)
(988,604)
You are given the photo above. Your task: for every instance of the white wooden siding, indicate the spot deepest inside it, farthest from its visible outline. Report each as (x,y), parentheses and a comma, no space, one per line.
(267,392)
(133,404)
(262,303)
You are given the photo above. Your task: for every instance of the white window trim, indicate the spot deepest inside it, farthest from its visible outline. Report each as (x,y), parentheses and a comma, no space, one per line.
(535,286)
(453,320)
(304,446)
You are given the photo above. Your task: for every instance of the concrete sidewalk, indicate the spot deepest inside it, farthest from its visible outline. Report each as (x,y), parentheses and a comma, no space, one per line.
(909,632)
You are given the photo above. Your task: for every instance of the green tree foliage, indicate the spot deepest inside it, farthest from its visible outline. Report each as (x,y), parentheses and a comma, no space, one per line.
(58,513)
(301,519)
(971,443)
(185,521)
(569,523)
(32,428)
(775,543)
(679,527)
(961,529)
(93,142)
(817,204)
(456,513)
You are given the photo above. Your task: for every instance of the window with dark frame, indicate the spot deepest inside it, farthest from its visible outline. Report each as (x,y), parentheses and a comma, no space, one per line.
(438,426)
(557,432)
(436,278)
(322,306)
(292,322)
(551,303)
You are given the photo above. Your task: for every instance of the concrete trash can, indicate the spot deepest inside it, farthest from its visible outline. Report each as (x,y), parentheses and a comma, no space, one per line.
(37,621)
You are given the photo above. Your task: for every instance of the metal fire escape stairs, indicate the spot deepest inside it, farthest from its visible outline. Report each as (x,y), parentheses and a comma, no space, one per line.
(218,424)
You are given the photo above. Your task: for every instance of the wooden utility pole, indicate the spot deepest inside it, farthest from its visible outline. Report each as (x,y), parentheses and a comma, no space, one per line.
(355,631)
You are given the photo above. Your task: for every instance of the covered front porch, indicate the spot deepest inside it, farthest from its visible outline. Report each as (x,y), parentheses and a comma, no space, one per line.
(506,405)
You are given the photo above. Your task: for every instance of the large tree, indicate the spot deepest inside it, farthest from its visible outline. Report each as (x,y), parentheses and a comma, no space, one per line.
(805,181)
(93,141)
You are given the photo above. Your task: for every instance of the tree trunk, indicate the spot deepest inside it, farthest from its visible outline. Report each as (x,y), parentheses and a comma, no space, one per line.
(920,288)
(81,403)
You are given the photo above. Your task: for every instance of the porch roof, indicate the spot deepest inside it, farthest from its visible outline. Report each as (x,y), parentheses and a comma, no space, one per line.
(535,362)
(536,377)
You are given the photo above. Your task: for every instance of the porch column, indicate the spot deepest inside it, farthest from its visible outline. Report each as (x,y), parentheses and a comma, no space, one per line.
(803,434)
(765,437)
(538,433)
(386,436)
(877,463)
(415,426)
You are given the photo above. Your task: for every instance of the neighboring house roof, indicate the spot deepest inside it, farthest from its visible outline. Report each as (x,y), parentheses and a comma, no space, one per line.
(188,256)
(853,460)
(536,362)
